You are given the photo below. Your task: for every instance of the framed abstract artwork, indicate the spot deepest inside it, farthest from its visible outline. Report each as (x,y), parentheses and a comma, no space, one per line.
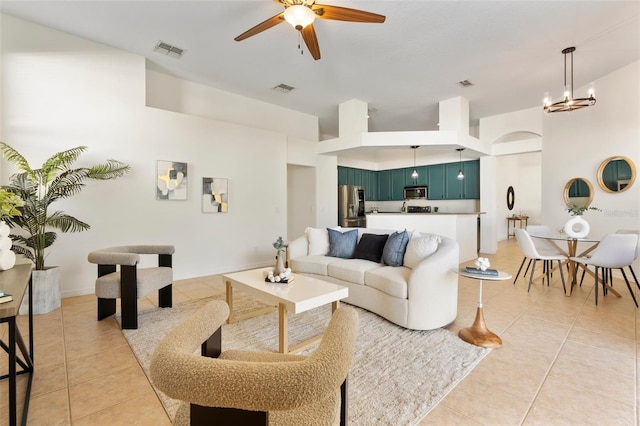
(215,195)
(171,182)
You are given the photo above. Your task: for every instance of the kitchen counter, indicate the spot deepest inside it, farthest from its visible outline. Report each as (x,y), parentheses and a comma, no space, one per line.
(461,226)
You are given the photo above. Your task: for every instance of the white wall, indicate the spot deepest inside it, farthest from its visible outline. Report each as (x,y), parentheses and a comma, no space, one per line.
(60,91)
(574,145)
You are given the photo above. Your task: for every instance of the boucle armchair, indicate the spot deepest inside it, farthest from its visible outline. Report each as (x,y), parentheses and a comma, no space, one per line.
(130,282)
(242,387)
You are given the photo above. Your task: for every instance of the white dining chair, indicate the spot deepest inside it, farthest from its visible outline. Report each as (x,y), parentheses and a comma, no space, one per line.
(529,250)
(542,245)
(615,251)
(637,232)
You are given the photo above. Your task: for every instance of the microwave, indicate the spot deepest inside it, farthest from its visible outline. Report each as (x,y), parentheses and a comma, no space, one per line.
(415,192)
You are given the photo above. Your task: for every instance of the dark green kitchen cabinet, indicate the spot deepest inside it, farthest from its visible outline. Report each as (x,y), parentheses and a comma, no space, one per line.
(467,188)
(436,189)
(342,175)
(397,184)
(471,182)
(371,188)
(423,176)
(453,186)
(384,185)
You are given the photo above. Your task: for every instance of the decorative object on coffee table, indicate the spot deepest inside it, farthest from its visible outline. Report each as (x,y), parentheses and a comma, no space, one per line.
(280,247)
(478,334)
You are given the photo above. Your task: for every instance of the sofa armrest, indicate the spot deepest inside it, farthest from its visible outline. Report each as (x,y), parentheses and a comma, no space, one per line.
(433,288)
(297,248)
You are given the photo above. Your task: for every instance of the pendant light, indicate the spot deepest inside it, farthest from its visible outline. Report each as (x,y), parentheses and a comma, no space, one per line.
(569,103)
(414,172)
(460,173)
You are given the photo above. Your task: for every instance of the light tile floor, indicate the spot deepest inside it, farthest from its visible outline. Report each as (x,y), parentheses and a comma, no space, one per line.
(564,361)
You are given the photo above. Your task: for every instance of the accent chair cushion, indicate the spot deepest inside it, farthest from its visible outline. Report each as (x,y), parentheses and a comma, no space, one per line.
(420,247)
(394,249)
(342,244)
(370,247)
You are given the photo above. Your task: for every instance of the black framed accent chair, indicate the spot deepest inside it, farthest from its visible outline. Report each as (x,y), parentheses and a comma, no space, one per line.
(129,282)
(248,388)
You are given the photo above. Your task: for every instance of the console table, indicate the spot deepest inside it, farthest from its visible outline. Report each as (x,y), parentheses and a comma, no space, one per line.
(512,221)
(14,281)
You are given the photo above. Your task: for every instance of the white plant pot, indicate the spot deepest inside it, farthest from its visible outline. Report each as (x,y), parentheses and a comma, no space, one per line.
(46,292)
(577,227)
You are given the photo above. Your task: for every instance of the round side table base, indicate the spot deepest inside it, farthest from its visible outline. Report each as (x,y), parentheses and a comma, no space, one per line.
(478,334)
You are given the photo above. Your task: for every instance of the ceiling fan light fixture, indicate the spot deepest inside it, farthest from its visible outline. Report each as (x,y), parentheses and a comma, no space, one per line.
(299,16)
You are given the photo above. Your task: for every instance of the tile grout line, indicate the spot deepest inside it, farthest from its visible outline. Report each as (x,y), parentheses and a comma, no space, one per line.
(555,358)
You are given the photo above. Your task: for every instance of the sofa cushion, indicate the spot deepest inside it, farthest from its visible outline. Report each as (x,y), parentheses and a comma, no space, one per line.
(420,247)
(351,270)
(370,247)
(318,241)
(390,280)
(342,244)
(314,264)
(396,245)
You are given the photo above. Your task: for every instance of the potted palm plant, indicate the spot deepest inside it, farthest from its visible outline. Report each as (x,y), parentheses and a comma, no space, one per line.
(38,189)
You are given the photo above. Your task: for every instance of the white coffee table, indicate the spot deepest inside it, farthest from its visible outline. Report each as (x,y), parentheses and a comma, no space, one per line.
(301,295)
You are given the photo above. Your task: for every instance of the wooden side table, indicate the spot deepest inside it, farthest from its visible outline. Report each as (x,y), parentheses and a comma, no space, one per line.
(512,221)
(478,334)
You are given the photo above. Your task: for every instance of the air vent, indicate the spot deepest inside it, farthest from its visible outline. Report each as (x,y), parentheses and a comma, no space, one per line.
(284,88)
(169,50)
(465,83)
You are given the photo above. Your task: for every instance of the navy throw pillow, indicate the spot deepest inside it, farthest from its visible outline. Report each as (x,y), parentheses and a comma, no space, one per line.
(370,247)
(393,252)
(342,244)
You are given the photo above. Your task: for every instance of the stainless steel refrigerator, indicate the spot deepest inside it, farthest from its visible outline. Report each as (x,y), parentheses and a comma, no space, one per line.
(351,206)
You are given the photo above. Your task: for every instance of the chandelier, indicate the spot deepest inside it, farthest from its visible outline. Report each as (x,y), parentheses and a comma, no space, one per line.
(569,103)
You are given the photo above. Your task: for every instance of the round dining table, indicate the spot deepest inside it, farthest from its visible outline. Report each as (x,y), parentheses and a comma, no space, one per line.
(572,251)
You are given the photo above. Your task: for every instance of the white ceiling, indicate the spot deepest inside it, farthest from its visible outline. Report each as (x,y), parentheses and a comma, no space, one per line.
(509,50)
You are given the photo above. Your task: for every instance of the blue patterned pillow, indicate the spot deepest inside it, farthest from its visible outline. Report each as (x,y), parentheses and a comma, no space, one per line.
(342,244)
(393,252)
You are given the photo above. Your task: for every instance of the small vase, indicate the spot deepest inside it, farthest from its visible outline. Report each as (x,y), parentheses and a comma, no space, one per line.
(577,227)
(279,265)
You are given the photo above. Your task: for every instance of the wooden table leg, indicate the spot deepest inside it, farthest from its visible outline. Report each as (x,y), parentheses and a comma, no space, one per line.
(283,329)
(334,306)
(230,301)
(478,334)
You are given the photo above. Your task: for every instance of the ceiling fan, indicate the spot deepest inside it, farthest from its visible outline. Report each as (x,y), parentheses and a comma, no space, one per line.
(301,14)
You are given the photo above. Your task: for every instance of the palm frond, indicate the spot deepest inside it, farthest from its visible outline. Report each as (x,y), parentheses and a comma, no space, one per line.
(58,162)
(66,223)
(67,184)
(16,158)
(110,170)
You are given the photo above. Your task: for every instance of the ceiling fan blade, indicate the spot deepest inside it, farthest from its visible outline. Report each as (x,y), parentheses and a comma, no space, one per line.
(336,13)
(271,22)
(310,39)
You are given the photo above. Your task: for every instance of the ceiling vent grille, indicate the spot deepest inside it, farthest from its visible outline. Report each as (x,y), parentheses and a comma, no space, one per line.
(465,83)
(283,88)
(169,50)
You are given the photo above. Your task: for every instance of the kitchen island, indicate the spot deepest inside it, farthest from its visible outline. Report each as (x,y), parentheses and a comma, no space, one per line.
(463,227)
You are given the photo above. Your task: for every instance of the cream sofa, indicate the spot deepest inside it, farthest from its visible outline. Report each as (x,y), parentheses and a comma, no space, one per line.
(421,298)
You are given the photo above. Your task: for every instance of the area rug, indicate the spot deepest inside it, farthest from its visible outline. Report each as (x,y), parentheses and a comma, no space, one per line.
(398,375)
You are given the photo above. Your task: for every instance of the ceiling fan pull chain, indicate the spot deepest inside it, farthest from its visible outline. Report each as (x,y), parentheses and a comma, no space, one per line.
(300,44)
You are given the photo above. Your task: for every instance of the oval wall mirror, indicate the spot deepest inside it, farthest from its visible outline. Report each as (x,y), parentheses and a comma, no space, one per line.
(578,192)
(616,174)
(510,198)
